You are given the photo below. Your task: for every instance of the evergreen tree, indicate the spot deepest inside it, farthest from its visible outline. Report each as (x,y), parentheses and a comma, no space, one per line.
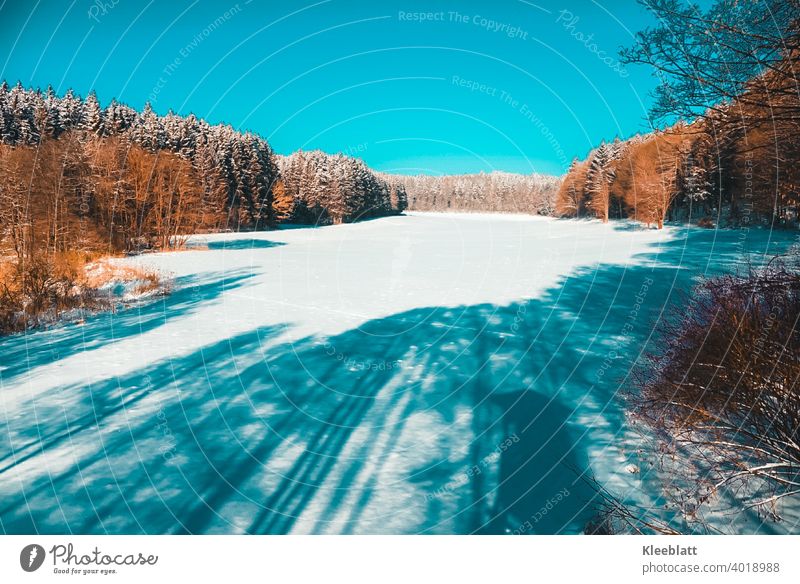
(92,122)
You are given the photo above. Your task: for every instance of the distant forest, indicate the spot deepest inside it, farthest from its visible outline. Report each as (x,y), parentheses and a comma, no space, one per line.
(499,192)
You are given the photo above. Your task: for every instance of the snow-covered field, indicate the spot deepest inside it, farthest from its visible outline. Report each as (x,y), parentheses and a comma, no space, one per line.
(425,373)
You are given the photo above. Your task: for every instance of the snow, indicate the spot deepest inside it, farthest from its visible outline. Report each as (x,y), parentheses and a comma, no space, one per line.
(356,378)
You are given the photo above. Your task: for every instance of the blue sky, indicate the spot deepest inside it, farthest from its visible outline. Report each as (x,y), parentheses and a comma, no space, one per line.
(409,86)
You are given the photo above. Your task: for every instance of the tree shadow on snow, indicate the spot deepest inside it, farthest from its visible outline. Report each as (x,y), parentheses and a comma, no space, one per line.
(237,244)
(23,352)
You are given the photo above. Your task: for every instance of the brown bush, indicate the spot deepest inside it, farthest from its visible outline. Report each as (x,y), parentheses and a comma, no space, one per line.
(36,286)
(33,293)
(722,395)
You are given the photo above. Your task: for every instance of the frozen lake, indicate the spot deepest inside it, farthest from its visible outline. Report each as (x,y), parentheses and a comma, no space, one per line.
(416,374)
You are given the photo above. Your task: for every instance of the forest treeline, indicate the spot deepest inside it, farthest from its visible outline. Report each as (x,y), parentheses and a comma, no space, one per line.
(498,192)
(219,178)
(732,158)
(78,180)
(722,170)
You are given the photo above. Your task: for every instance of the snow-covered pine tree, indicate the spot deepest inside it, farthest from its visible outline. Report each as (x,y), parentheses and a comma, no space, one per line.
(92,121)
(7,126)
(53,125)
(214,192)
(70,110)
(599,177)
